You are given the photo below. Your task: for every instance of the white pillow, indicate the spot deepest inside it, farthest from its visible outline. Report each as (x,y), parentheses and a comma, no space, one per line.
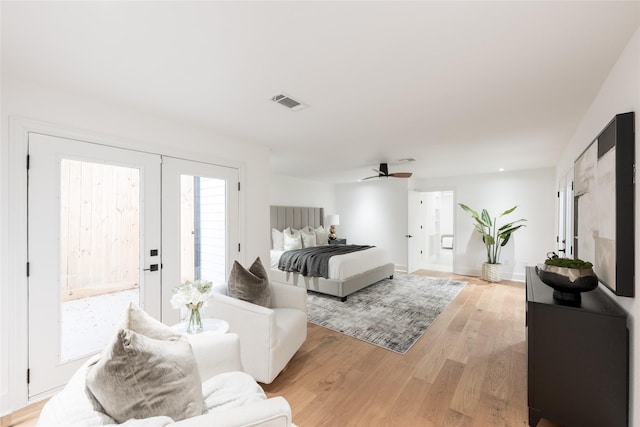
(278,239)
(322,236)
(308,237)
(292,239)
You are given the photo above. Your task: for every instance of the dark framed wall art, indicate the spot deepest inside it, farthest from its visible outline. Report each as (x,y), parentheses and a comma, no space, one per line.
(604,205)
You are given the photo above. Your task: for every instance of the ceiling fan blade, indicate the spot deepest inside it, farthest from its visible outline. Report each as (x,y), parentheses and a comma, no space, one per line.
(369,177)
(384,173)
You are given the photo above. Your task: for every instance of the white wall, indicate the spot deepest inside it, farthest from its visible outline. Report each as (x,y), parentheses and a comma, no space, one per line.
(534,193)
(125,126)
(620,93)
(290,191)
(375,212)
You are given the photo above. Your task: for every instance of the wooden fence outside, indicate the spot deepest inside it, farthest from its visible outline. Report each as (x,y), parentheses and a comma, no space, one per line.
(99,228)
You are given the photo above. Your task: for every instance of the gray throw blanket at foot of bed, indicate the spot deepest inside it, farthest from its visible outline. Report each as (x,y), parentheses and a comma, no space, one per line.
(314,262)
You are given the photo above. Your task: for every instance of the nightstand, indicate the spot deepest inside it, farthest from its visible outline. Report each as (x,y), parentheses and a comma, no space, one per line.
(338,242)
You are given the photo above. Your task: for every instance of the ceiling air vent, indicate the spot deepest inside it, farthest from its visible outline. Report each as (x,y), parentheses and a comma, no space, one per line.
(287,101)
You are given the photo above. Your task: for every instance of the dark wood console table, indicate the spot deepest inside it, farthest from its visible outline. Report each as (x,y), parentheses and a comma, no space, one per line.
(578,358)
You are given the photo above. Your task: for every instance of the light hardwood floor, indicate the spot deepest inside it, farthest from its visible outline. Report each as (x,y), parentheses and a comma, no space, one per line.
(468,369)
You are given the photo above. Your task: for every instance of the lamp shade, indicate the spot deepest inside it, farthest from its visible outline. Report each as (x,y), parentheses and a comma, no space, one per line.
(333,219)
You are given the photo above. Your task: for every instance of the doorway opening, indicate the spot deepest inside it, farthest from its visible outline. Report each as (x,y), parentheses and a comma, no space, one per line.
(436,232)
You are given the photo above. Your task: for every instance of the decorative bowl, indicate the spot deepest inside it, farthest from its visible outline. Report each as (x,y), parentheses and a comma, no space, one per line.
(568,283)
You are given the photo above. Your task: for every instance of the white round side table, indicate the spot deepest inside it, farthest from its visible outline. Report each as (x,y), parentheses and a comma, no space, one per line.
(209,326)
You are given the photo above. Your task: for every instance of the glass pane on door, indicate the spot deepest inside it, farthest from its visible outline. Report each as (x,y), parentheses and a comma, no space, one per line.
(99,252)
(199,227)
(203,228)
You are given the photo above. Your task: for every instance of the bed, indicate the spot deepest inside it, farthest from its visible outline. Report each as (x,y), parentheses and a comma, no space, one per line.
(346,273)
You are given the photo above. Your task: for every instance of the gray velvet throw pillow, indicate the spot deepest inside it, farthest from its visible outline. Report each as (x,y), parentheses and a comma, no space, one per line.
(250,285)
(138,320)
(141,377)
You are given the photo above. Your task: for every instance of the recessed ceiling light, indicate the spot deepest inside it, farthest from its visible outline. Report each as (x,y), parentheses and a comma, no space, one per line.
(407,160)
(501,170)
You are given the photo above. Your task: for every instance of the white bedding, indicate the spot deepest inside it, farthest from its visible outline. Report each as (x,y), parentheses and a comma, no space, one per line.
(344,266)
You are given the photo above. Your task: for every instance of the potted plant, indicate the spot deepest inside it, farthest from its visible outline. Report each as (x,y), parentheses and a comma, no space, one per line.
(494,238)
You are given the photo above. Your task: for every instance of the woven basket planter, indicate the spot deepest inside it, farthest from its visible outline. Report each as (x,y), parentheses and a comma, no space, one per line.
(491,272)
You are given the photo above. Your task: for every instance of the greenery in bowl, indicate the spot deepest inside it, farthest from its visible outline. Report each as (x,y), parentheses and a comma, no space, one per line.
(568,263)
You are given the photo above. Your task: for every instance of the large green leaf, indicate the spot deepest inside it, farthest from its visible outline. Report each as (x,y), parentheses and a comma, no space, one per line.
(508,211)
(488,239)
(507,234)
(468,209)
(481,222)
(486,218)
(507,227)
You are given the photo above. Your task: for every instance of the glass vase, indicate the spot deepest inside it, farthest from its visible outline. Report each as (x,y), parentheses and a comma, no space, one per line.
(194,324)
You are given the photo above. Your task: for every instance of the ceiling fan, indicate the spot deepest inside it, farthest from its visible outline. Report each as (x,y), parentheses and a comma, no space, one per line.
(383,172)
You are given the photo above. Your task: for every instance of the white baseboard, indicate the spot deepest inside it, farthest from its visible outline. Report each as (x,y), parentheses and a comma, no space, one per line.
(399,268)
(514,276)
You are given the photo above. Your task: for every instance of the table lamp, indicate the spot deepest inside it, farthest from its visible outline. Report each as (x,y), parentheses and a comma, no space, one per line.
(333,220)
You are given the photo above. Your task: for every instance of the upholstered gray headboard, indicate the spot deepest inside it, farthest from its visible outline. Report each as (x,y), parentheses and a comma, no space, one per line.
(296,217)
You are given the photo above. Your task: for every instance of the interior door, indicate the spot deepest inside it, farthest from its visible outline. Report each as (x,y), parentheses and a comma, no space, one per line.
(94,235)
(199,226)
(413,234)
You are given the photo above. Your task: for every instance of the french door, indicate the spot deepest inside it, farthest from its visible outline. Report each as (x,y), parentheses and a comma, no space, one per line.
(94,218)
(199,225)
(109,226)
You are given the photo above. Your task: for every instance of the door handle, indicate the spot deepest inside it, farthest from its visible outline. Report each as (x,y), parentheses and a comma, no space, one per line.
(152,267)
(408,235)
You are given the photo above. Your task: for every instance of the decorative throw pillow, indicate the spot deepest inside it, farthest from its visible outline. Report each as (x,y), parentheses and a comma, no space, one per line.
(250,285)
(278,239)
(308,238)
(322,236)
(292,239)
(139,321)
(141,377)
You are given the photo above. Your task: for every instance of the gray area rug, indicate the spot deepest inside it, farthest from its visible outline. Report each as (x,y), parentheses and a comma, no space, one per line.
(392,313)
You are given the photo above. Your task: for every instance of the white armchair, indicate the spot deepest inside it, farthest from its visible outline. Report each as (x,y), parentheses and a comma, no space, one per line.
(234,398)
(269,337)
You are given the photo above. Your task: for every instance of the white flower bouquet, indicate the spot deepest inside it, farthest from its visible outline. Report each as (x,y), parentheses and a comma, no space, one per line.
(193,295)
